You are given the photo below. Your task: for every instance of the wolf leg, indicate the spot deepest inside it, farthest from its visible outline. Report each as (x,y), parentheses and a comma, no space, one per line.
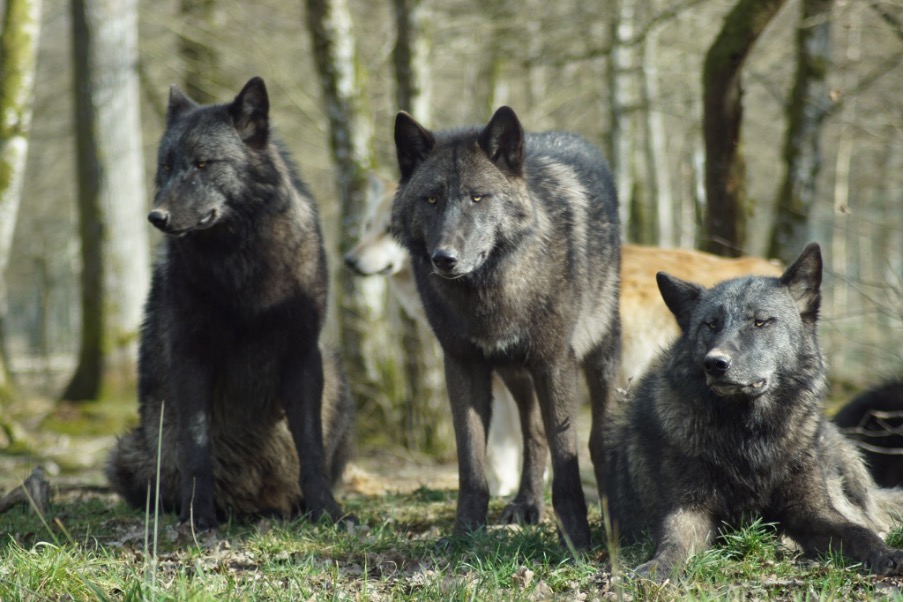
(302,392)
(470,396)
(683,532)
(821,530)
(527,507)
(192,390)
(600,371)
(556,385)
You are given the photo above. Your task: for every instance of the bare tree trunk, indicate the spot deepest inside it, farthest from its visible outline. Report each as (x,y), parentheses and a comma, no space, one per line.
(410,58)
(657,159)
(112,198)
(18,59)
(808,105)
(725,220)
(622,94)
(362,302)
(201,61)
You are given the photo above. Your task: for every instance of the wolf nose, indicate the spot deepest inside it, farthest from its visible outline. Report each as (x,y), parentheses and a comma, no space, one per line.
(717,364)
(158,218)
(444,259)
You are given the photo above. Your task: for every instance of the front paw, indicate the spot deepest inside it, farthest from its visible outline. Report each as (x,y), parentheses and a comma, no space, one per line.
(201,520)
(885,562)
(522,512)
(652,570)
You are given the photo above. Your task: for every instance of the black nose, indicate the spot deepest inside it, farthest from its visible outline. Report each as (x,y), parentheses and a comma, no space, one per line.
(158,218)
(444,259)
(351,262)
(717,363)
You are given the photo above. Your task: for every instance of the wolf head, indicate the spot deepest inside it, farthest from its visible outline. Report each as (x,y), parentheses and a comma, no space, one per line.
(745,335)
(377,252)
(461,195)
(203,157)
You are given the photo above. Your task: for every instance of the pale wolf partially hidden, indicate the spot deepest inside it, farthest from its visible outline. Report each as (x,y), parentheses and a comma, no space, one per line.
(514,245)
(728,425)
(256,418)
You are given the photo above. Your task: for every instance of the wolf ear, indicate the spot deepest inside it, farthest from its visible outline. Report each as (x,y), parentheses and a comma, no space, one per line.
(803,279)
(178,104)
(680,296)
(413,143)
(250,113)
(503,141)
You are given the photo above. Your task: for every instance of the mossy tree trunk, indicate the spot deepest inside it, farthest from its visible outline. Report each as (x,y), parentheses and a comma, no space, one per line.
(726,215)
(366,346)
(112,202)
(18,58)
(807,107)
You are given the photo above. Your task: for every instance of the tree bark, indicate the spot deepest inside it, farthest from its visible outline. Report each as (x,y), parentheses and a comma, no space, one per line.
(808,106)
(18,59)
(410,57)
(111,192)
(362,302)
(725,218)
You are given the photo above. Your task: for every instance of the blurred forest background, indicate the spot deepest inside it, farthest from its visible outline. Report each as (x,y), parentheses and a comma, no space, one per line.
(647,80)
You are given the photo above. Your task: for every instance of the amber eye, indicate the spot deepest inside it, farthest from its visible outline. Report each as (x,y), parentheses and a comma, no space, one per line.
(476,197)
(431,200)
(201,164)
(759,323)
(711,325)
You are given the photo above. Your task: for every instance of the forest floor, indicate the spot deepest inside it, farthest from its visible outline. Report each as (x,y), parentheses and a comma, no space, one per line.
(92,546)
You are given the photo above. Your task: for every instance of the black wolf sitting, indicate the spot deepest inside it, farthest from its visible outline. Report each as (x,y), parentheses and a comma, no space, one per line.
(256,418)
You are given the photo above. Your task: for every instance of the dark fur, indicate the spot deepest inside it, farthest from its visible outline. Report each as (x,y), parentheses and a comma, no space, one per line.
(229,347)
(515,250)
(873,420)
(727,425)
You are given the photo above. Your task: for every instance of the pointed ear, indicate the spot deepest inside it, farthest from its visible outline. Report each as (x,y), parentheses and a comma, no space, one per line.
(413,143)
(179,103)
(250,113)
(803,279)
(680,296)
(503,141)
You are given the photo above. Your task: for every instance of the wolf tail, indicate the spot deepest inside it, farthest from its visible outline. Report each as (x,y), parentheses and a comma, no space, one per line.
(131,469)
(890,505)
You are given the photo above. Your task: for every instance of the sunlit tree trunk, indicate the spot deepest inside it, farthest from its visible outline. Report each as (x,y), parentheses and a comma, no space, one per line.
(111,194)
(361,301)
(807,107)
(18,58)
(725,219)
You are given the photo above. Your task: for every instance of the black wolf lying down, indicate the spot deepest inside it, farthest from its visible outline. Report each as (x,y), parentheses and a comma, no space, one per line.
(727,425)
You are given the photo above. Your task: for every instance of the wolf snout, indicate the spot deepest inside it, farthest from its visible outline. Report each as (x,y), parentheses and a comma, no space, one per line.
(716,363)
(159,219)
(444,260)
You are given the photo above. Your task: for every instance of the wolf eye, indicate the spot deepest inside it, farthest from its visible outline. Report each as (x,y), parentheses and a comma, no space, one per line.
(431,200)
(476,197)
(201,164)
(711,324)
(760,322)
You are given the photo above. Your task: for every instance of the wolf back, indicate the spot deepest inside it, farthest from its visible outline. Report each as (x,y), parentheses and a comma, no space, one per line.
(727,425)
(515,250)
(255,416)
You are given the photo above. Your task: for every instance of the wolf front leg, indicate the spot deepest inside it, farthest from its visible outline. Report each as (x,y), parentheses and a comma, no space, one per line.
(555,380)
(600,370)
(192,399)
(302,394)
(821,530)
(683,532)
(470,396)
(527,507)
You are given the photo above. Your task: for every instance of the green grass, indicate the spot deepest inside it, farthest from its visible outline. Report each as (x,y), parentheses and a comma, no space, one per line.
(96,549)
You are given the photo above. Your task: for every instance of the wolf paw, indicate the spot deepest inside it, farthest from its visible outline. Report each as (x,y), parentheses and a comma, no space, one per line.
(521,513)
(202,521)
(652,570)
(885,562)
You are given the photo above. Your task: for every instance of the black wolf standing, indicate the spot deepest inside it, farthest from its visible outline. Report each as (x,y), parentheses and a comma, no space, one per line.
(727,425)
(229,347)
(515,249)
